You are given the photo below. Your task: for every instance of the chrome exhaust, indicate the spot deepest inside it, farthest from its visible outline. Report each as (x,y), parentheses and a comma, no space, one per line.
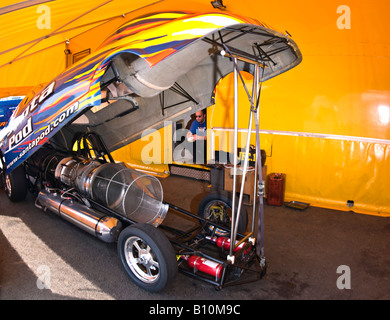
(96,223)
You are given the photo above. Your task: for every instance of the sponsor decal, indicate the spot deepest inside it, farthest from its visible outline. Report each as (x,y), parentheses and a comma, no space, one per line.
(27,129)
(45,132)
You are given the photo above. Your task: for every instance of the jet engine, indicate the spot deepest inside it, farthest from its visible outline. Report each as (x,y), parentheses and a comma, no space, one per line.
(137,196)
(134,195)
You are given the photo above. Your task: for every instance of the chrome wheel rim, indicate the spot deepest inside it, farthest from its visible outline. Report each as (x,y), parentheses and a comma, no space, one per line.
(141,260)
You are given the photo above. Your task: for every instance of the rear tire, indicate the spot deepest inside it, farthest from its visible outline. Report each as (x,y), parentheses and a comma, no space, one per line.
(15,184)
(217,207)
(147,256)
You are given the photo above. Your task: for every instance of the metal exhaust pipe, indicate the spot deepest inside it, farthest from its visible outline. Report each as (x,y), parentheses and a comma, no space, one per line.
(96,223)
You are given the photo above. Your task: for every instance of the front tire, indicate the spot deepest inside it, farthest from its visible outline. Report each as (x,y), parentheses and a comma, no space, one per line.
(15,184)
(147,256)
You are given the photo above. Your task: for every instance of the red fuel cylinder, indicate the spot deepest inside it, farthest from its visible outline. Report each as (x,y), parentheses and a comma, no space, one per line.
(223,242)
(204,265)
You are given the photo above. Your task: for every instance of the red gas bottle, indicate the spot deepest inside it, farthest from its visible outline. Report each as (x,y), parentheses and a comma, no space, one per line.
(224,243)
(204,265)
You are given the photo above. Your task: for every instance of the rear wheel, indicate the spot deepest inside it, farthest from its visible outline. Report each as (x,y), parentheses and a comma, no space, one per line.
(147,256)
(217,207)
(15,184)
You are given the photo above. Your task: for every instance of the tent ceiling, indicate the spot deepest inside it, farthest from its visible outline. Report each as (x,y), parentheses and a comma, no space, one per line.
(31,55)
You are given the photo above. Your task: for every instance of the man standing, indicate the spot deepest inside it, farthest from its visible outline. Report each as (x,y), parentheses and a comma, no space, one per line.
(198,135)
(198,127)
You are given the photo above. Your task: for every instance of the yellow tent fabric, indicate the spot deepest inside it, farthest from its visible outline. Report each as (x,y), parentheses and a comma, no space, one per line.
(326,123)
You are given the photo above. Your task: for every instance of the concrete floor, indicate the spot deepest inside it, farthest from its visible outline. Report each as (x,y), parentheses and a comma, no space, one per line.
(304,250)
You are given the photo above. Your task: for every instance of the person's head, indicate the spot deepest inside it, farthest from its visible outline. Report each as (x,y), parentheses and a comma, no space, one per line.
(200,116)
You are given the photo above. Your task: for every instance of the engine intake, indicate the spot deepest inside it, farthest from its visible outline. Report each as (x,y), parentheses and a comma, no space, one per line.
(137,196)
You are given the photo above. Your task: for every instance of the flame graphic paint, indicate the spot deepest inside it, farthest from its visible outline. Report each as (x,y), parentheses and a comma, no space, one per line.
(162,34)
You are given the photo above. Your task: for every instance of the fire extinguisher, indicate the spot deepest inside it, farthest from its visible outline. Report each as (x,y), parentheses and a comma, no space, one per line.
(204,265)
(224,243)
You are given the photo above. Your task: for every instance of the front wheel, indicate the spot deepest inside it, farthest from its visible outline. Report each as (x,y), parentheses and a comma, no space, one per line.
(147,256)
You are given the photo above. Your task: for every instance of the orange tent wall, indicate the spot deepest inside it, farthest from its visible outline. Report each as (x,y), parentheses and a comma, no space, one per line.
(335,106)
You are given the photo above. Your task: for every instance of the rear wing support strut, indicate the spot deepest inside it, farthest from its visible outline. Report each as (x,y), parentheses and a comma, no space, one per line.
(254,100)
